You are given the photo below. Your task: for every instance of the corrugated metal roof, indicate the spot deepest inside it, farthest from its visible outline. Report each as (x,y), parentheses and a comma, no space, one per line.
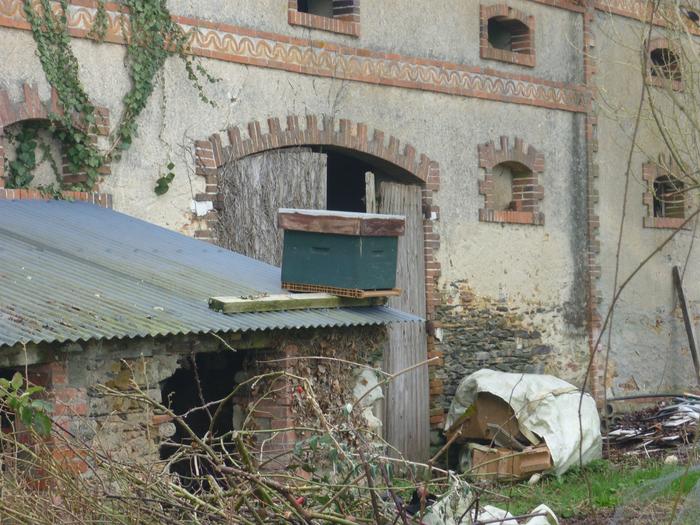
(73,271)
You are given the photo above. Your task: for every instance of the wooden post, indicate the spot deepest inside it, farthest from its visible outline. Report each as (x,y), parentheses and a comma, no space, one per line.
(370,193)
(688,322)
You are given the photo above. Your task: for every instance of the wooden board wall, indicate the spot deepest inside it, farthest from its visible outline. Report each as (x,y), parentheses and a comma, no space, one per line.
(406,418)
(256,187)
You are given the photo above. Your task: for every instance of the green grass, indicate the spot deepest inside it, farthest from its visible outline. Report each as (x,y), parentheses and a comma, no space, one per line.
(611,485)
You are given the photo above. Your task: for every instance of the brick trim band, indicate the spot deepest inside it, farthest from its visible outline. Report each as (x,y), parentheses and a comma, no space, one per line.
(526,191)
(306,56)
(104,200)
(312,130)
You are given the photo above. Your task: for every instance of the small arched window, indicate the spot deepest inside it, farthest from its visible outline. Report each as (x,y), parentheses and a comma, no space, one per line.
(507,35)
(510,187)
(665,197)
(664,65)
(669,197)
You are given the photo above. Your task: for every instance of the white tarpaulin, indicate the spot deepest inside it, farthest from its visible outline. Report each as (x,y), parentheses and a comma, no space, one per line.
(544,405)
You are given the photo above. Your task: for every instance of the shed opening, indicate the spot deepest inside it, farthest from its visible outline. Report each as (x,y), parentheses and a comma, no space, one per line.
(195,392)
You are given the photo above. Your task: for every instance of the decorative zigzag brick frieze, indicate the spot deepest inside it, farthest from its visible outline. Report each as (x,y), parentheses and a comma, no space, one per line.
(241,45)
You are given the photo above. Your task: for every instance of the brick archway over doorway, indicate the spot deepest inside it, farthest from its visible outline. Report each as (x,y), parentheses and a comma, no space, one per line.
(319,131)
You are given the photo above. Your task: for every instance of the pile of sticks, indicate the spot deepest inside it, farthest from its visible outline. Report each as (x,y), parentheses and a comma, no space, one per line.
(671,424)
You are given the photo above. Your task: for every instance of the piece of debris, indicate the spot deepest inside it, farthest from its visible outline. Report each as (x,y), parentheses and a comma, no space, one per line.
(511,426)
(653,431)
(509,464)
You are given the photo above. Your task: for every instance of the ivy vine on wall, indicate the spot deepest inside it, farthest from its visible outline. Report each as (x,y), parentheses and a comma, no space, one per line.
(152,37)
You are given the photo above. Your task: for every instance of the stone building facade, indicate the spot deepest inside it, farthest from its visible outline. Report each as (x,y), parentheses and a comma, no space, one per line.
(492,107)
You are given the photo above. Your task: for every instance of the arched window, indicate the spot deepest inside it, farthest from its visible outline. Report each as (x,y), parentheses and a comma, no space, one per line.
(669,197)
(507,35)
(510,186)
(664,65)
(665,197)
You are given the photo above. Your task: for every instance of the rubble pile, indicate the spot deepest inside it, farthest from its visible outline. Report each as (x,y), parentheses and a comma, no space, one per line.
(653,431)
(508,426)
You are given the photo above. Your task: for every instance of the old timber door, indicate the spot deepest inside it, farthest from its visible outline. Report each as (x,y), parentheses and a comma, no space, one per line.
(255,187)
(406,417)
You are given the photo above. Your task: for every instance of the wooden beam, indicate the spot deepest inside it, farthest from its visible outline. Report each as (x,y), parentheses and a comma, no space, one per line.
(690,331)
(277,303)
(341,223)
(370,193)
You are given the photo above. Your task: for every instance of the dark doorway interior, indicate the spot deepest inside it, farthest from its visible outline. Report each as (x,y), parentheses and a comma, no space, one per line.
(346,182)
(202,380)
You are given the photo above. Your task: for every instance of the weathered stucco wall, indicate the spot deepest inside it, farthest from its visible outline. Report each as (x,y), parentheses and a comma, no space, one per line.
(649,347)
(534,271)
(448,30)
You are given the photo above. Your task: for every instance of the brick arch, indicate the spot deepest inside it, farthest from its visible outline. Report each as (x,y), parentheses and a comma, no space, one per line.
(32,107)
(311,130)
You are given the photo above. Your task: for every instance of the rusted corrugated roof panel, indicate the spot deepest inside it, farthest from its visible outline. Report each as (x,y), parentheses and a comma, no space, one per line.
(74,272)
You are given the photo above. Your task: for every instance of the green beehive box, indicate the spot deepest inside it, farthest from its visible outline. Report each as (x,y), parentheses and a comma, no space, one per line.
(339,250)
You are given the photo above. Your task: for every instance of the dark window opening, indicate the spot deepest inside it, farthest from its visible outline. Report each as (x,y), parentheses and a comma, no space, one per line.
(205,379)
(346,183)
(7,416)
(690,14)
(665,64)
(509,35)
(669,198)
(316,7)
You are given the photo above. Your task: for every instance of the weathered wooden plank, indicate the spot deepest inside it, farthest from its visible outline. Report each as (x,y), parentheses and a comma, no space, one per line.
(277,303)
(342,292)
(370,193)
(255,187)
(341,223)
(689,329)
(406,417)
